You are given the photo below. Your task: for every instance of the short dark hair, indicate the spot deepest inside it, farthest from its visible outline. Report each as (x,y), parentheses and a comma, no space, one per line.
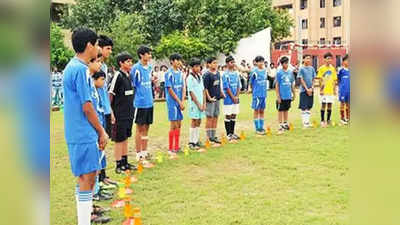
(175,56)
(272,64)
(143,49)
(81,36)
(99,74)
(345,57)
(328,54)
(105,41)
(284,60)
(163,66)
(122,57)
(229,59)
(195,62)
(259,59)
(306,55)
(210,59)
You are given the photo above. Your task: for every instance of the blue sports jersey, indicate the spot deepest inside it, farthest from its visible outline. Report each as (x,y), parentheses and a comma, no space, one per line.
(231,80)
(174,80)
(141,80)
(104,93)
(258,81)
(308,74)
(98,104)
(285,80)
(344,80)
(77,91)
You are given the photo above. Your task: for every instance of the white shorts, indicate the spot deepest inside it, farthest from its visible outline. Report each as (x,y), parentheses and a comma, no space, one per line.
(231,109)
(327,98)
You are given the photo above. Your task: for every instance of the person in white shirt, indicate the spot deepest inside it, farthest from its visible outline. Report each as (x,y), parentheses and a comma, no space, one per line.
(161,80)
(271,75)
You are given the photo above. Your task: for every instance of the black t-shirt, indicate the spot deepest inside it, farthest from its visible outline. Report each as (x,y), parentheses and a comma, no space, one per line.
(122,89)
(212,82)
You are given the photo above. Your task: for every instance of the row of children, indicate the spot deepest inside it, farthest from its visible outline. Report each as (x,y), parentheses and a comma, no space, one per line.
(97,106)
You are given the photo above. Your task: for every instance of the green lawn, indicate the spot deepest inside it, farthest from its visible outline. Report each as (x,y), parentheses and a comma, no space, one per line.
(298,178)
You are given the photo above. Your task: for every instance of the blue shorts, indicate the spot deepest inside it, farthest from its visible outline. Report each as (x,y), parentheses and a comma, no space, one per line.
(84,158)
(344,97)
(174,113)
(258,103)
(195,113)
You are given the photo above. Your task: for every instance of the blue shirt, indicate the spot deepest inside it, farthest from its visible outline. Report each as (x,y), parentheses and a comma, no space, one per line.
(231,80)
(258,81)
(285,80)
(77,91)
(104,93)
(141,81)
(98,103)
(308,74)
(174,80)
(344,80)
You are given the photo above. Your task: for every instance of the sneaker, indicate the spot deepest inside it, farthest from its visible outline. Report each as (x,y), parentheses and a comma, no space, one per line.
(329,122)
(235,137)
(105,186)
(199,145)
(306,125)
(129,166)
(99,219)
(344,121)
(281,130)
(147,164)
(230,138)
(323,124)
(262,132)
(216,141)
(106,192)
(258,132)
(149,156)
(119,170)
(192,146)
(98,210)
(107,180)
(101,197)
(286,126)
(172,154)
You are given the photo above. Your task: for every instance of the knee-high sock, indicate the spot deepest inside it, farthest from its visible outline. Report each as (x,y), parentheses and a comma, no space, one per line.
(96,186)
(233,123)
(192,135)
(322,115)
(176,139)
(227,126)
(329,114)
(196,134)
(308,115)
(171,139)
(261,124)
(84,207)
(304,116)
(256,124)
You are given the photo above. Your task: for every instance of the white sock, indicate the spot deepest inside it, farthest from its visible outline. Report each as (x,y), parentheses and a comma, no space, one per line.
(304,117)
(192,135)
(197,134)
(308,115)
(84,209)
(144,153)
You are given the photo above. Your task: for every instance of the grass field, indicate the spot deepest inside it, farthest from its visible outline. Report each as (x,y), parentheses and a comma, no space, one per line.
(298,178)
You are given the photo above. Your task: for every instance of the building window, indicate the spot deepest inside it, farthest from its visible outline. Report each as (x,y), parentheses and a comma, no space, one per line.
(322,3)
(337,3)
(322,41)
(337,40)
(304,24)
(305,43)
(337,21)
(322,22)
(303,4)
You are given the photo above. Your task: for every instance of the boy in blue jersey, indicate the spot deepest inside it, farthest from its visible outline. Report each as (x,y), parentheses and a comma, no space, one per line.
(121,98)
(231,87)
(84,133)
(344,90)
(306,75)
(143,103)
(197,104)
(212,85)
(175,96)
(106,44)
(258,84)
(285,93)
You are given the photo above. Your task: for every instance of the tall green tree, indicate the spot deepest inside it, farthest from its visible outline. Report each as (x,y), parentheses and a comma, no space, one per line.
(59,53)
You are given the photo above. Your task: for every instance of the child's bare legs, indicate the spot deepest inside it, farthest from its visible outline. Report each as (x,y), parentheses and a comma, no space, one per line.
(214,126)
(209,122)
(138,139)
(347,111)
(342,108)
(118,150)
(280,117)
(261,118)
(285,116)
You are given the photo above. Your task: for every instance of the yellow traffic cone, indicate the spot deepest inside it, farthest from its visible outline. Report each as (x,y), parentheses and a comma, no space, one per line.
(291,127)
(160,157)
(224,140)
(242,135)
(186,151)
(207,144)
(140,167)
(137,216)
(269,131)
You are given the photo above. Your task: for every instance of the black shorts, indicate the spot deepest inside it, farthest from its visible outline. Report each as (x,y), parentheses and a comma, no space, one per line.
(108,125)
(144,116)
(284,106)
(122,130)
(306,102)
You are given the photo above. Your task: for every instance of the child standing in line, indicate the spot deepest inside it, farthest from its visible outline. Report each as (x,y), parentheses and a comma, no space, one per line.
(344,91)
(327,81)
(285,93)
(258,84)
(197,104)
(306,76)
(231,87)
(175,96)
